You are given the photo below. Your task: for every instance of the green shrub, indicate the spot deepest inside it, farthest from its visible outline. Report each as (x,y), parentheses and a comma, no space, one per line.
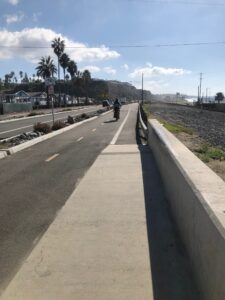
(207,153)
(34,113)
(42,127)
(175,128)
(58,125)
(70,120)
(84,116)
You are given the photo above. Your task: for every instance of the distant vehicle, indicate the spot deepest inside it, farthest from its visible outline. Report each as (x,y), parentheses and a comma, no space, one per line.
(105,103)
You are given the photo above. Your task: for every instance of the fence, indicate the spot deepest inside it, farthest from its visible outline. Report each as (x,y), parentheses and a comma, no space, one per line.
(6,108)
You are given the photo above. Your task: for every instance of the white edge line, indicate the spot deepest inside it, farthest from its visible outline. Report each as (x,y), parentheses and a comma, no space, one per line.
(119,130)
(105,113)
(80,139)
(17,129)
(40,116)
(52,157)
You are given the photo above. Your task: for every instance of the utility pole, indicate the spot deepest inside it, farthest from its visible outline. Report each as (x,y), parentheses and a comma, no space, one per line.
(142,91)
(200,88)
(206,95)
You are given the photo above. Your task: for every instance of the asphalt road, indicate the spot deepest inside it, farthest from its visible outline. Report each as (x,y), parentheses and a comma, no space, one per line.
(13,127)
(36,182)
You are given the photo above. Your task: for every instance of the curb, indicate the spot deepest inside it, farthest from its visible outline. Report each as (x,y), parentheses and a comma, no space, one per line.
(9,151)
(25,145)
(3,154)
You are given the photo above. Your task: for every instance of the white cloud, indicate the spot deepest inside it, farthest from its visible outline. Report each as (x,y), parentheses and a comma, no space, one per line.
(151,71)
(15,18)
(155,86)
(92,69)
(15,41)
(109,70)
(13,2)
(125,67)
(36,16)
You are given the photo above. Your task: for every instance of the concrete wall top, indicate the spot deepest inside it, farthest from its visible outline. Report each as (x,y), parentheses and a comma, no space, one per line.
(209,187)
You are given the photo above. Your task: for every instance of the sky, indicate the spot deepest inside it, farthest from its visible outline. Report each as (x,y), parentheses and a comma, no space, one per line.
(121,39)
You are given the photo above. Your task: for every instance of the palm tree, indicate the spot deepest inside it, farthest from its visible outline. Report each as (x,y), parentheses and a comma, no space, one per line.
(86,76)
(21,75)
(12,74)
(78,83)
(7,80)
(86,79)
(64,62)
(58,46)
(72,68)
(46,67)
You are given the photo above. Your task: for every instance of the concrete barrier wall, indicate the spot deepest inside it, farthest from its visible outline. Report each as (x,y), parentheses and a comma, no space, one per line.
(197,199)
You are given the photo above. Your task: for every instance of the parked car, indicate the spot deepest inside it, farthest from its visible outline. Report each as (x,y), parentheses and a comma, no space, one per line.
(105,103)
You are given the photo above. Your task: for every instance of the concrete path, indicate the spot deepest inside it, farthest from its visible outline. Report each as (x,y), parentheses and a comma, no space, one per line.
(100,245)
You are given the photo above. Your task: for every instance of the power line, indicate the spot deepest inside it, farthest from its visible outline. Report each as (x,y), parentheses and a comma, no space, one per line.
(180,2)
(118,46)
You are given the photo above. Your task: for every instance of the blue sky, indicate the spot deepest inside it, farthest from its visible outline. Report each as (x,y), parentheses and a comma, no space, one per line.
(102,29)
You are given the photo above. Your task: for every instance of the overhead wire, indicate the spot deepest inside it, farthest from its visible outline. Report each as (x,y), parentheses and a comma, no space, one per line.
(120,46)
(179,2)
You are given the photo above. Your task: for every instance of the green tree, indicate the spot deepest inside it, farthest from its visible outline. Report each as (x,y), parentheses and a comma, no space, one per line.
(86,76)
(64,62)
(12,75)
(78,83)
(46,67)
(58,46)
(219,97)
(21,75)
(7,80)
(25,78)
(72,68)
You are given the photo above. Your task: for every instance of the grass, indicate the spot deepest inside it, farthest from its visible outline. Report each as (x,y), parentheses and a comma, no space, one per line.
(146,108)
(172,127)
(4,145)
(207,153)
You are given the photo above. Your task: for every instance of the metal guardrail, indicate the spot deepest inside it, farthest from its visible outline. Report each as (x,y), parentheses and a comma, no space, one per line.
(143,126)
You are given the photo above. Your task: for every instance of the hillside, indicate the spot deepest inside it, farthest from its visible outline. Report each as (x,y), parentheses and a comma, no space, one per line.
(97,89)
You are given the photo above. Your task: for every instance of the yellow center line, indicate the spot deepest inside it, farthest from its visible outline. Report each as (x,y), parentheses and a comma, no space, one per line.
(81,138)
(52,157)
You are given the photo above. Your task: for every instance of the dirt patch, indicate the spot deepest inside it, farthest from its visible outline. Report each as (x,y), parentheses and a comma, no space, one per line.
(208,131)
(194,142)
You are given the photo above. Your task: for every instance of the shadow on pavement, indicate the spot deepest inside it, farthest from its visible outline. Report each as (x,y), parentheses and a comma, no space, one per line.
(170,267)
(110,121)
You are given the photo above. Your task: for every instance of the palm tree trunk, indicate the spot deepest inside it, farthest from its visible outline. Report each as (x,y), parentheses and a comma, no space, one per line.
(59,84)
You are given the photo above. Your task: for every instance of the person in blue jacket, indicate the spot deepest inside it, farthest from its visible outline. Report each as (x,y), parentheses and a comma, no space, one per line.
(116,108)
